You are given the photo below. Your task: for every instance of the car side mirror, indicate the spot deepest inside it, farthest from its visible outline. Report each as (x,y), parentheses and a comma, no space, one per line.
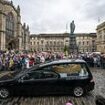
(25,77)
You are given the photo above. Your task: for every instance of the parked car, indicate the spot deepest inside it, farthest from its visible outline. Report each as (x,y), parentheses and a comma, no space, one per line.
(56,77)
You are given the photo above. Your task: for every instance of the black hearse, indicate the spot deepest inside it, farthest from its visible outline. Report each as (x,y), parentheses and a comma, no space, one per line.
(56,77)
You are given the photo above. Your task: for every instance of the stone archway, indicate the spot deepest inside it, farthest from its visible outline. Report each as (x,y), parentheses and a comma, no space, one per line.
(11,45)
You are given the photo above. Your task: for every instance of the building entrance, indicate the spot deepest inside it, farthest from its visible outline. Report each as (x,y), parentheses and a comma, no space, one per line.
(11,45)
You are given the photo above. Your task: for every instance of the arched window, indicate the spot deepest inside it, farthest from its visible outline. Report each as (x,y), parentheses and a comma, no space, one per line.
(10,24)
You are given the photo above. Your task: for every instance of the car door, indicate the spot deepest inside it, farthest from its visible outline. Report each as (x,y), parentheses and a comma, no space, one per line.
(50,82)
(24,85)
(38,83)
(33,83)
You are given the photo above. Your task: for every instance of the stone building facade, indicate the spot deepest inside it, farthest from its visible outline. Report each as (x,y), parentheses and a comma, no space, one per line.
(13,35)
(57,42)
(48,42)
(86,42)
(101,37)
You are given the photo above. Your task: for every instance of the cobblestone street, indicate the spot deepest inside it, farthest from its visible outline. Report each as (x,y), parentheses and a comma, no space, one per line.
(89,99)
(99,77)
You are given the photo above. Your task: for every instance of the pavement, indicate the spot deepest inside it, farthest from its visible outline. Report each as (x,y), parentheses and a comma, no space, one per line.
(99,78)
(89,99)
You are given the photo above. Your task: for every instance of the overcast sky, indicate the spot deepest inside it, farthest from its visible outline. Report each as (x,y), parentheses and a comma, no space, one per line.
(52,16)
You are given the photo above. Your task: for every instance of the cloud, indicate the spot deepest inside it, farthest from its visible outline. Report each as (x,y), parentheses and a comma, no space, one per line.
(95,9)
(53,15)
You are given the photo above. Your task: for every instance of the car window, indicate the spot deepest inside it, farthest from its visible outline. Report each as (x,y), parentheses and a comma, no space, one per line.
(32,76)
(46,68)
(50,74)
(39,75)
(71,70)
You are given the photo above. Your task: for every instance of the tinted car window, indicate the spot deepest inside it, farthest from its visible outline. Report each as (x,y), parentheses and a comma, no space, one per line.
(39,75)
(50,74)
(32,75)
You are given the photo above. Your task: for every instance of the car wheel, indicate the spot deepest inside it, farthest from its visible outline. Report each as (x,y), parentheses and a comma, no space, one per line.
(4,93)
(78,91)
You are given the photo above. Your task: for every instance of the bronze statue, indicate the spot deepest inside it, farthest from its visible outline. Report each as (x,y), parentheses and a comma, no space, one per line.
(72,27)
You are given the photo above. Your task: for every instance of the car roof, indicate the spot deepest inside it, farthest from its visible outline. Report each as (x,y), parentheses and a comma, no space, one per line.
(63,61)
(51,63)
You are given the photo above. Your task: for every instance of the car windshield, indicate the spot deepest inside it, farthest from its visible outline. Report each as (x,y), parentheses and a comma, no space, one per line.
(8,75)
(15,74)
(27,70)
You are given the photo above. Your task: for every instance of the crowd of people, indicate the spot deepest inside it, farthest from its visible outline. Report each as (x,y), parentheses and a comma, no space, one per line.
(14,60)
(94,59)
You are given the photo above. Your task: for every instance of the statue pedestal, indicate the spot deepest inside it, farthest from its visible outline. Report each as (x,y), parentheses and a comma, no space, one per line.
(73,49)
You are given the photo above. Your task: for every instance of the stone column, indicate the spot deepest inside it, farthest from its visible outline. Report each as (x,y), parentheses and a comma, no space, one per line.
(3,32)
